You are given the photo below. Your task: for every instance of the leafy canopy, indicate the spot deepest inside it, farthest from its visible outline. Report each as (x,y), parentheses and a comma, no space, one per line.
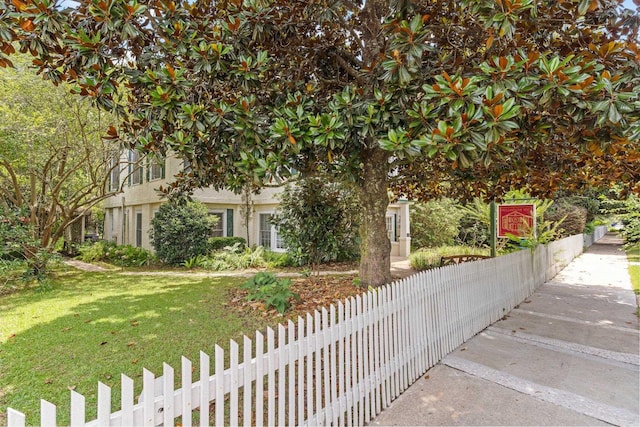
(500,90)
(457,97)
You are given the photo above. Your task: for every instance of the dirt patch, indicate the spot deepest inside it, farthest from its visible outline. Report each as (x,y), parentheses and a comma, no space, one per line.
(314,292)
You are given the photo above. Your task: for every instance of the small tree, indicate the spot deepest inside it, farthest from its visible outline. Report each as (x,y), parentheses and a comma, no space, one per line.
(181,231)
(318,222)
(246,210)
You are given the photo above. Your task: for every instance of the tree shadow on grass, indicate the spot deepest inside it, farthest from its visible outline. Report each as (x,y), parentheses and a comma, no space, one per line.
(108,327)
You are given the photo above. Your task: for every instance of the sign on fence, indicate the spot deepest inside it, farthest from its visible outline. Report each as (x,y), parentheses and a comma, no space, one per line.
(518,220)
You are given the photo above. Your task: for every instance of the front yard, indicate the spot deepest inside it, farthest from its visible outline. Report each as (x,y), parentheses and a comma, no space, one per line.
(93,326)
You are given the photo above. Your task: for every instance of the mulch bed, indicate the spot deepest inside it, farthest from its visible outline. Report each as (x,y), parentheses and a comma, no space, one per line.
(314,292)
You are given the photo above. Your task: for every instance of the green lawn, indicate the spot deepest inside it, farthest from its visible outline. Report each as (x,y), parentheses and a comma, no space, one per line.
(94,326)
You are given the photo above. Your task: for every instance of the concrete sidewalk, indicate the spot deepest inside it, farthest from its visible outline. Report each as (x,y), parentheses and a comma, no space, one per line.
(569,355)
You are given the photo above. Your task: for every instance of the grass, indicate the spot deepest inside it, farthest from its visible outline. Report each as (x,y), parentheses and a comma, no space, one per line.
(427,258)
(94,326)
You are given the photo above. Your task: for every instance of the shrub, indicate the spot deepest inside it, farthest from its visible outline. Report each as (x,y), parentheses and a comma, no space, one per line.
(181,231)
(434,223)
(219,243)
(572,218)
(319,222)
(121,255)
(272,291)
(626,211)
(428,258)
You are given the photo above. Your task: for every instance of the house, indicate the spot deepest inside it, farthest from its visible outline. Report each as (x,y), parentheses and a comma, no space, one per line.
(128,215)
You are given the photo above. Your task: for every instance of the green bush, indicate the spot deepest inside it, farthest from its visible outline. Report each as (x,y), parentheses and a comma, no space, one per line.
(112,253)
(572,218)
(428,258)
(627,212)
(181,231)
(319,222)
(274,292)
(434,223)
(219,243)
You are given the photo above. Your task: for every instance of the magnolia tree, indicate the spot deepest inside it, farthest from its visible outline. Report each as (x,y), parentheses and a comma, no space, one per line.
(462,97)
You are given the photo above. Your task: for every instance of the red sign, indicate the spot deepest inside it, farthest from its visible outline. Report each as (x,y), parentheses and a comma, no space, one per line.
(518,220)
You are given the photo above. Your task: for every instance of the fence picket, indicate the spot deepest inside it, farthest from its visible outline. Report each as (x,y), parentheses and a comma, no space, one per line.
(246,387)
(271,380)
(186,392)
(204,389)
(77,409)
(47,414)
(337,366)
(259,379)
(168,394)
(291,380)
(302,347)
(318,368)
(235,383)
(219,384)
(15,418)
(310,345)
(348,357)
(148,397)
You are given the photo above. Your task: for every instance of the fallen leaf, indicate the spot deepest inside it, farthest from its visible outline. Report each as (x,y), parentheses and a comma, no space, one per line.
(66,329)
(134,361)
(48,381)
(108,376)
(426,377)
(12,336)
(463,349)
(527,301)
(134,322)
(88,320)
(513,330)
(71,387)
(131,343)
(104,342)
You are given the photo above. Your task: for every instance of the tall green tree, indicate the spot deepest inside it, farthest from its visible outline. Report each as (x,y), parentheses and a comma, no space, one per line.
(54,164)
(425,97)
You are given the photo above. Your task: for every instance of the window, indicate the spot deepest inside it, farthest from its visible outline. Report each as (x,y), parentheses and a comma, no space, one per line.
(264,236)
(392,227)
(218,228)
(268,235)
(114,174)
(156,169)
(138,229)
(135,170)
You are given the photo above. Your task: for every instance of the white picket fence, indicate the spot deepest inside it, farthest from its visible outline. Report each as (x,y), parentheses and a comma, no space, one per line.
(340,366)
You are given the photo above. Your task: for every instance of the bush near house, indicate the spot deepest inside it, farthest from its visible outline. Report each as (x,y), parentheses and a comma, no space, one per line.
(112,253)
(319,222)
(219,243)
(181,231)
(434,223)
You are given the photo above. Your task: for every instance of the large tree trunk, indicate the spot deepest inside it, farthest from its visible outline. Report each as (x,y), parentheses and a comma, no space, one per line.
(375,261)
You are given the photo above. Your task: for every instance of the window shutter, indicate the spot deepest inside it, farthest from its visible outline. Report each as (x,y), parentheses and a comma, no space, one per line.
(229,222)
(162,166)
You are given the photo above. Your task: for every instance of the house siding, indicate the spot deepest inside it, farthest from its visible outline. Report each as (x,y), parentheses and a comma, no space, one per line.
(121,210)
